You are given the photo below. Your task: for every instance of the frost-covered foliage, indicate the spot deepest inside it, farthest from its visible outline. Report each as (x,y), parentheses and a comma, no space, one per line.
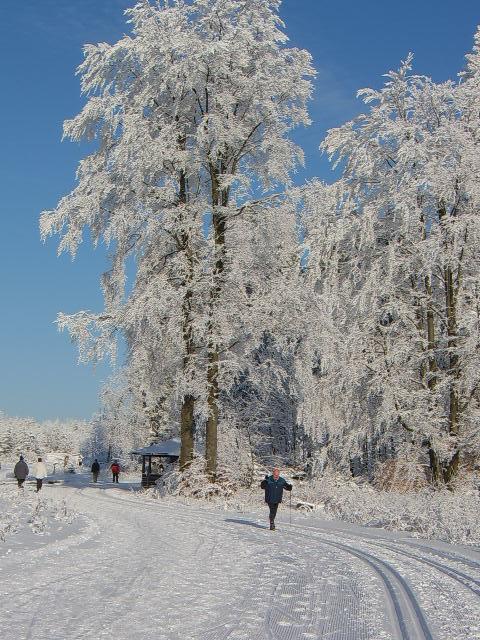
(441,515)
(347,336)
(394,265)
(120,426)
(29,437)
(191,114)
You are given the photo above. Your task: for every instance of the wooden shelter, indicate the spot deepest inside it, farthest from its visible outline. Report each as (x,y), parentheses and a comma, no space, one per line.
(154,458)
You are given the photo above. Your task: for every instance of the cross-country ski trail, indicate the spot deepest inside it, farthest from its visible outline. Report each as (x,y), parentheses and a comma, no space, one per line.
(143,569)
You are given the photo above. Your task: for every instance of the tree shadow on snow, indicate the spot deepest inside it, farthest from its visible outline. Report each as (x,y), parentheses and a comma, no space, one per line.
(247,522)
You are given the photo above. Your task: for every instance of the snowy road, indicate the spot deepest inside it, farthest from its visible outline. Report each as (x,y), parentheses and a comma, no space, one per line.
(148,570)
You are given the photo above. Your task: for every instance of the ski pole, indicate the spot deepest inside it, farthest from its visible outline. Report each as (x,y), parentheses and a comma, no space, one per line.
(290,507)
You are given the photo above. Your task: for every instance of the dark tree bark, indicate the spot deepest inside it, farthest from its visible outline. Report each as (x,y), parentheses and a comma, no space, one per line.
(187,426)
(219,199)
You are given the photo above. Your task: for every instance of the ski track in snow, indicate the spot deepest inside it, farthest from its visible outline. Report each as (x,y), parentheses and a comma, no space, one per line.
(142,569)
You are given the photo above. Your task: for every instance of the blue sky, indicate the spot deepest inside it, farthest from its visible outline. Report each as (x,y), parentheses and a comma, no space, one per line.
(353,44)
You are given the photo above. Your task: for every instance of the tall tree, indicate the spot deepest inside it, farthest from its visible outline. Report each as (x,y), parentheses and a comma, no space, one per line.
(139,191)
(402,247)
(191,114)
(251,91)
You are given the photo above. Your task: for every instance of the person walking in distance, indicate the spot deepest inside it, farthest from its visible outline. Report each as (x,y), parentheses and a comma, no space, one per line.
(40,473)
(274,486)
(95,470)
(21,471)
(115,468)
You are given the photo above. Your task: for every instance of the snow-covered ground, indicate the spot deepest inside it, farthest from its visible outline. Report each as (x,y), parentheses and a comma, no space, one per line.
(132,568)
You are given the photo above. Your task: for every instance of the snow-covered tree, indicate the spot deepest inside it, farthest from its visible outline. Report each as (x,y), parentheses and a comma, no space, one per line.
(29,437)
(191,113)
(395,262)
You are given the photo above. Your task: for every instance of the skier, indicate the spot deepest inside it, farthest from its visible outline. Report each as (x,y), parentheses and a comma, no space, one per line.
(274,486)
(95,470)
(40,473)
(21,471)
(115,467)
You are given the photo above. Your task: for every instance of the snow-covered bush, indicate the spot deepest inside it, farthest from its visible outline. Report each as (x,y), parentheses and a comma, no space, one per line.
(21,509)
(192,482)
(38,517)
(63,513)
(8,524)
(442,515)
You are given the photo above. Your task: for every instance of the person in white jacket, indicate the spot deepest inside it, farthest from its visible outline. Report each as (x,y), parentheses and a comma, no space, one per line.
(40,473)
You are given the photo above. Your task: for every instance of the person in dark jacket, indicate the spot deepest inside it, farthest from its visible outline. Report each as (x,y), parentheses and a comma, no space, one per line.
(95,470)
(21,471)
(274,486)
(115,467)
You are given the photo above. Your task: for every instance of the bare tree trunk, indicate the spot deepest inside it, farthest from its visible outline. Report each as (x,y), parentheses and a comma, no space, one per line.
(188,404)
(450,304)
(453,410)
(211,442)
(213,350)
(187,425)
(451,467)
(429,369)
(432,361)
(435,466)
(186,430)
(219,199)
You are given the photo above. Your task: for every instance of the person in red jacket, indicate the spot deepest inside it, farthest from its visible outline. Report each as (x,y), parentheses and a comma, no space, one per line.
(115,468)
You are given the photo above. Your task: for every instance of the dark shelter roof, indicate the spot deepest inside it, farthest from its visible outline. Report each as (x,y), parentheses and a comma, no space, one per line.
(165,448)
